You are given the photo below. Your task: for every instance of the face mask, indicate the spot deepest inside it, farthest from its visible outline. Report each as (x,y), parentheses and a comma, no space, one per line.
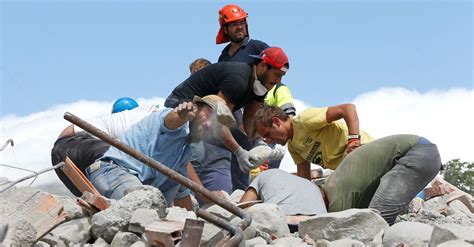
(258,87)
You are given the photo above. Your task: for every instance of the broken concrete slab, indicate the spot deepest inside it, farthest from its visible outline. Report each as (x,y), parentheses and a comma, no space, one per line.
(76,231)
(158,202)
(447,232)
(179,214)
(100,242)
(107,223)
(269,218)
(124,239)
(20,233)
(408,234)
(139,244)
(365,225)
(141,218)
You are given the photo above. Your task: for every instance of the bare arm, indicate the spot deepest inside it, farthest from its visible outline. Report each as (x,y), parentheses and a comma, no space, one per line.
(181,114)
(304,170)
(249,195)
(349,114)
(249,111)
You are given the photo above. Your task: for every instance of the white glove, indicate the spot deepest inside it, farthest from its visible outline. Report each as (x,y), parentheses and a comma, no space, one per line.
(242,156)
(259,154)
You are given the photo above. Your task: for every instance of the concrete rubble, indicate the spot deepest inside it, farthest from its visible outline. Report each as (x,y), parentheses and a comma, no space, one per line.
(137,218)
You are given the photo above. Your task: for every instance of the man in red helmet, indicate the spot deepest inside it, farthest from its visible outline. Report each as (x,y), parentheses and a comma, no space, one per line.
(234,28)
(241,85)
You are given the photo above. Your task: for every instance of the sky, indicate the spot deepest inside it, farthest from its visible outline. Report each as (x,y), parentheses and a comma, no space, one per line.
(407,65)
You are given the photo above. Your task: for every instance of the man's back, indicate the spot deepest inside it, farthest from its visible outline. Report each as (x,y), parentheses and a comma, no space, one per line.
(232,79)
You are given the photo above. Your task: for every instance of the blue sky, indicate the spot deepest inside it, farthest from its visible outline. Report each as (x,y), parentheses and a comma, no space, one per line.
(58,52)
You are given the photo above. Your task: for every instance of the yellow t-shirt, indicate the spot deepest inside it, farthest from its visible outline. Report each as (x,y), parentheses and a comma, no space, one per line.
(319,142)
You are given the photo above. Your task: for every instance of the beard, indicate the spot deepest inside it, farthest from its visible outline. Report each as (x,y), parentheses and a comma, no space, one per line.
(195,132)
(238,38)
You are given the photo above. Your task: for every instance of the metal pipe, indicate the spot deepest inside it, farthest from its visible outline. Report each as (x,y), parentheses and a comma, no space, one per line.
(237,233)
(246,218)
(61,164)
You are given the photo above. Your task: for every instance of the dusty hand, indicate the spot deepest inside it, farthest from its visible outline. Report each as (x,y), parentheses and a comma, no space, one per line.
(351,146)
(243,157)
(186,111)
(259,154)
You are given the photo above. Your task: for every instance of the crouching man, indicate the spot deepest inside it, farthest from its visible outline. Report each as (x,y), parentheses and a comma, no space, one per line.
(164,136)
(385,174)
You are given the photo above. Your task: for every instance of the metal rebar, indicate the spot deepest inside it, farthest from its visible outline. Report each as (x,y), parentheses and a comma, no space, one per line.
(61,164)
(9,141)
(246,218)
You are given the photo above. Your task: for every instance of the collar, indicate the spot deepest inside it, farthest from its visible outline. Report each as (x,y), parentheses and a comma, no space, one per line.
(245,42)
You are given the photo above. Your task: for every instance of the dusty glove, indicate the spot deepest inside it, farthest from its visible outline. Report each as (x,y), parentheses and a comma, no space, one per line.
(259,154)
(242,156)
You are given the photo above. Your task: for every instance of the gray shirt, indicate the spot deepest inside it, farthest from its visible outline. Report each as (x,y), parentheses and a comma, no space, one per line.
(295,195)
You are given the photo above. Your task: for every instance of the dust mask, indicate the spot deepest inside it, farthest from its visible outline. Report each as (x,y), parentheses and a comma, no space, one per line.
(258,87)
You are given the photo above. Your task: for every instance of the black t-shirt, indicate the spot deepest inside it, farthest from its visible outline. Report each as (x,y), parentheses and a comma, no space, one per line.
(232,79)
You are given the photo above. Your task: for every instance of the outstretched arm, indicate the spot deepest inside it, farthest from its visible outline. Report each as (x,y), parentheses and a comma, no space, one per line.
(303,170)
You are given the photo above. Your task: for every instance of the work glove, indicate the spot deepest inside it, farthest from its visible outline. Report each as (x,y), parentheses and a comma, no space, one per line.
(242,156)
(259,142)
(259,154)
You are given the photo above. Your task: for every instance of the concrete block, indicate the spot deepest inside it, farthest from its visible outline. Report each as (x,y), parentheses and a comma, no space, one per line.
(107,223)
(141,218)
(408,233)
(20,233)
(124,239)
(269,218)
(454,243)
(365,225)
(249,232)
(447,232)
(74,232)
(179,214)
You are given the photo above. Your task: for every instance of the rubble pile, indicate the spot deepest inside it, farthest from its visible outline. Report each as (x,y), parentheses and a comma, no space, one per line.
(30,217)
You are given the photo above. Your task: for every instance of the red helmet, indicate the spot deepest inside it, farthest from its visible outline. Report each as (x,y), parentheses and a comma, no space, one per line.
(227,14)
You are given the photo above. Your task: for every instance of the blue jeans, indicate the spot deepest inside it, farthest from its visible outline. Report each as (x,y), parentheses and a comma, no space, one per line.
(110,179)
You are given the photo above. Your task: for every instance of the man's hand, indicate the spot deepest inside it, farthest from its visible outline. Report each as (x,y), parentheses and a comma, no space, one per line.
(243,157)
(186,111)
(352,145)
(259,154)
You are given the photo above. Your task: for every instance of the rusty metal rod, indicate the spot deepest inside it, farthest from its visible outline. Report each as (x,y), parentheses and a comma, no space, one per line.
(246,218)
(59,165)
(218,221)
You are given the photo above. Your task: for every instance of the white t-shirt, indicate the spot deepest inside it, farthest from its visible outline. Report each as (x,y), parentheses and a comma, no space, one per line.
(117,123)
